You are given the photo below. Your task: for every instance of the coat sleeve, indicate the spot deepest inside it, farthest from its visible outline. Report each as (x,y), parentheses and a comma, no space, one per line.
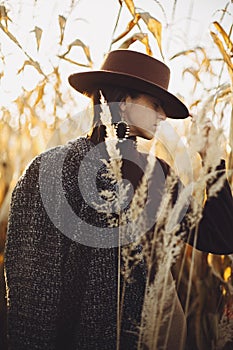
(33,267)
(215,229)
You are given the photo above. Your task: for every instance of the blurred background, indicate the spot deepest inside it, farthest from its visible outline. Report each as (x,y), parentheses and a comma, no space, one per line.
(42,43)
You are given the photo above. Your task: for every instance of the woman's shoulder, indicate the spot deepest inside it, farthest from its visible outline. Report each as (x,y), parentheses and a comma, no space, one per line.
(53,158)
(77,146)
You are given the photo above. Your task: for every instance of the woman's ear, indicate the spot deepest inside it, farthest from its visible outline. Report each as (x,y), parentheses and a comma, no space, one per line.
(124,102)
(122,105)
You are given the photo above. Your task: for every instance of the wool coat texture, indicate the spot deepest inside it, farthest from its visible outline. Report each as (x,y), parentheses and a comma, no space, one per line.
(61,256)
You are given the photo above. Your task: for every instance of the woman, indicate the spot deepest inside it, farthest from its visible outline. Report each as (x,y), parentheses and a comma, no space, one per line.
(63,254)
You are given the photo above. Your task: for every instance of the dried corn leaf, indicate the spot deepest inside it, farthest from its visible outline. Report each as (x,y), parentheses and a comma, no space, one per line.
(3,12)
(74,62)
(57,75)
(131,40)
(20,105)
(221,48)
(4,15)
(33,64)
(130,26)
(182,53)
(40,92)
(226,37)
(206,64)
(223,92)
(190,51)
(145,41)
(130,5)
(30,61)
(62,23)
(58,95)
(194,104)
(193,72)
(11,36)
(85,48)
(155,27)
(142,37)
(38,33)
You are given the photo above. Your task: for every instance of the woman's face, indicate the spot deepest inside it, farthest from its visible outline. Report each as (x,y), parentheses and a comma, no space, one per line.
(143,114)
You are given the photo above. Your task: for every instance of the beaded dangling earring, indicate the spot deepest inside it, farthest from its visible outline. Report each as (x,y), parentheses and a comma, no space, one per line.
(122,130)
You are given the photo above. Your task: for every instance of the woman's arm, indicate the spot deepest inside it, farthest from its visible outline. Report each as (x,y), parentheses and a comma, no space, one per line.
(215,229)
(35,269)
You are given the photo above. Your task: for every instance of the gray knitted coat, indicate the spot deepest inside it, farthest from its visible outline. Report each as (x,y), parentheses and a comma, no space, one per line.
(61,274)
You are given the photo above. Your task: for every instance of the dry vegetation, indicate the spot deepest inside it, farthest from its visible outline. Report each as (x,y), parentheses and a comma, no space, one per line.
(42,117)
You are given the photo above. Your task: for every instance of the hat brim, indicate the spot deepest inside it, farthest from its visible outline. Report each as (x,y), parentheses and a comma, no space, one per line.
(88,82)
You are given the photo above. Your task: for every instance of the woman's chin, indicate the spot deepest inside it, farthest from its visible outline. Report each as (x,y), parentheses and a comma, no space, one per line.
(145,134)
(148,135)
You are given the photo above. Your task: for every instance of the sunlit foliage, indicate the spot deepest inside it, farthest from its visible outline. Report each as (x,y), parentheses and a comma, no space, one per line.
(40,115)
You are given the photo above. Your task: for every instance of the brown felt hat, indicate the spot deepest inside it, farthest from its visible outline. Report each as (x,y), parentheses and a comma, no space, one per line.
(133,70)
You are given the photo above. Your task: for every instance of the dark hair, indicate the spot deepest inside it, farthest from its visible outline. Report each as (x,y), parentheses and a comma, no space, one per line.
(111,94)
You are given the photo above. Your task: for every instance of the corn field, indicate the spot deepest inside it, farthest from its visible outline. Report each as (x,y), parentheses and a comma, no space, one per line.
(40,114)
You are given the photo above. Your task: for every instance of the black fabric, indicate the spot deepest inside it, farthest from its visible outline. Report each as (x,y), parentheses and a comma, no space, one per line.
(61,293)
(215,230)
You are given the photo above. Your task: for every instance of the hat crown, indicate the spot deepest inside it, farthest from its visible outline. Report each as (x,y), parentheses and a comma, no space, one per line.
(132,70)
(138,65)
